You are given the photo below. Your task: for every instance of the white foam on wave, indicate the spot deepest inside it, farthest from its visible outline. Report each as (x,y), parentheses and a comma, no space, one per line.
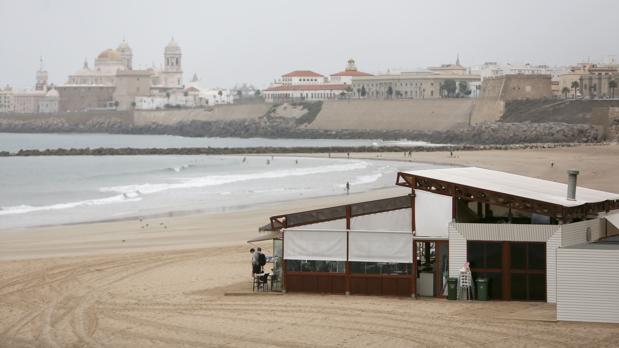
(410,143)
(215,180)
(24,209)
(178,169)
(363,179)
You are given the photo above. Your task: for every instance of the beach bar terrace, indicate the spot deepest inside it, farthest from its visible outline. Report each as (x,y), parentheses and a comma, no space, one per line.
(509,227)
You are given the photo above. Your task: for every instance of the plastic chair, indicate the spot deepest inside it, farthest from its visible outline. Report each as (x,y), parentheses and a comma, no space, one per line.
(465,286)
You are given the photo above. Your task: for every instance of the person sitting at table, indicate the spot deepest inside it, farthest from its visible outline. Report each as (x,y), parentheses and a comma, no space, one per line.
(255,266)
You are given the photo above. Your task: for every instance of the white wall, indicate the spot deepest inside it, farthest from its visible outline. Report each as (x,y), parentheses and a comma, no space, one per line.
(551,266)
(394,220)
(433,213)
(576,233)
(588,285)
(339,224)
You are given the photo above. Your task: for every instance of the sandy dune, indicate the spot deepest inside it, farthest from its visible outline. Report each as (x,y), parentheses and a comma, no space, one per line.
(83,285)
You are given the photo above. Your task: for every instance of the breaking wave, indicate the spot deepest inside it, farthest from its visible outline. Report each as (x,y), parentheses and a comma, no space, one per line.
(215,180)
(24,209)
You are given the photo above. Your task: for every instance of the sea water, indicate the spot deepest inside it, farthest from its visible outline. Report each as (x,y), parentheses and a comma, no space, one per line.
(58,190)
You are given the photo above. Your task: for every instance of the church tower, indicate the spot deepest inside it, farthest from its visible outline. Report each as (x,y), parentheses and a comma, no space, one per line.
(172,71)
(126,54)
(41,84)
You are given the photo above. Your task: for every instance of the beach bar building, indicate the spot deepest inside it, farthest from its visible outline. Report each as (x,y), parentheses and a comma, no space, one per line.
(509,227)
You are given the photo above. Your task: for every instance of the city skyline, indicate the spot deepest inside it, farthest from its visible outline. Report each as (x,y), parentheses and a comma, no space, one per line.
(237,42)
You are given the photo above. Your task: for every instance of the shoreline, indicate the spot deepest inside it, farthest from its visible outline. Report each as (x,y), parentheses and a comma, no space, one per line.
(128,151)
(193,212)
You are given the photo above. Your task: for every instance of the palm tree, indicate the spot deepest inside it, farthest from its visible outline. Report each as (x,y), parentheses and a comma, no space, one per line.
(612,84)
(565,92)
(575,86)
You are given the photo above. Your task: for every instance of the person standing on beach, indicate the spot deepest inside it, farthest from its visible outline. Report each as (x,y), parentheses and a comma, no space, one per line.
(261,260)
(347,187)
(255,267)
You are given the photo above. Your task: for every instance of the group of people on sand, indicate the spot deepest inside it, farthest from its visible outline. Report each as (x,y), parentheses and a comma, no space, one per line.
(258,260)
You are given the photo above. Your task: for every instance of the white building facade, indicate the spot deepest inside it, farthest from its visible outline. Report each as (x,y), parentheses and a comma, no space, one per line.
(7,100)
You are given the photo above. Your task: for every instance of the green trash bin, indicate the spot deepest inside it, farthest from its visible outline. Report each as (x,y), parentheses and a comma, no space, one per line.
(482,289)
(452,288)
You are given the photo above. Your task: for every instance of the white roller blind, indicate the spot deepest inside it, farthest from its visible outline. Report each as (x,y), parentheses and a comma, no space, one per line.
(432,214)
(394,220)
(320,245)
(380,246)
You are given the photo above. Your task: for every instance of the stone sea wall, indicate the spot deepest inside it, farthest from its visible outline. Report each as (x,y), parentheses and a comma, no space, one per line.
(436,121)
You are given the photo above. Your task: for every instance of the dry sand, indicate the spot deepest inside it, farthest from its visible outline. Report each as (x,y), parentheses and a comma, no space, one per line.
(120,285)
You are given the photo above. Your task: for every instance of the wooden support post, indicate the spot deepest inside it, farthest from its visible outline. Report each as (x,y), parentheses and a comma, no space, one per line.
(348,213)
(414,294)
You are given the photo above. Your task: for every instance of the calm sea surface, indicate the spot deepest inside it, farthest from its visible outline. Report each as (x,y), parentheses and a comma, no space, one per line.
(57,190)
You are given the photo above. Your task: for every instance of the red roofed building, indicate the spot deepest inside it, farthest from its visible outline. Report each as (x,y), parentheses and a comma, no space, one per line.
(309,85)
(346,76)
(322,91)
(302,77)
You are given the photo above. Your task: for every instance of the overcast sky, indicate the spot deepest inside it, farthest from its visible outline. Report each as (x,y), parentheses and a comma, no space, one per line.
(228,42)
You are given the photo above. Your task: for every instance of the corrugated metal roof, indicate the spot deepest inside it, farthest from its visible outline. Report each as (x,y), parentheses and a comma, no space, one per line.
(516,185)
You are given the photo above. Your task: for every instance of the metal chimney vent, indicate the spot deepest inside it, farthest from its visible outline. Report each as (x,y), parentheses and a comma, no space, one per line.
(572,174)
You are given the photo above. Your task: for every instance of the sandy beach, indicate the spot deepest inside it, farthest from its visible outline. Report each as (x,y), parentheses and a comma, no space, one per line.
(185,280)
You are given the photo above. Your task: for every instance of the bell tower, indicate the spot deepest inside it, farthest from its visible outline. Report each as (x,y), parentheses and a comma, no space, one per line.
(173,72)
(41,84)
(126,54)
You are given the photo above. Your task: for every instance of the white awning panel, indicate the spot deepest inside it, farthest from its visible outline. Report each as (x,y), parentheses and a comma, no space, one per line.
(320,245)
(432,214)
(393,220)
(380,246)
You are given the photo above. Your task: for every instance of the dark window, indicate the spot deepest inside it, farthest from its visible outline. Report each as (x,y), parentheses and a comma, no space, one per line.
(519,286)
(518,255)
(381,268)
(527,271)
(537,256)
(475,254)
(485,254)
(537,287)
(315,266)
(494,255)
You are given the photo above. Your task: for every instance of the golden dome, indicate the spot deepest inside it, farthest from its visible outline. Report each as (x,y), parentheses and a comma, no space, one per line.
(109,54)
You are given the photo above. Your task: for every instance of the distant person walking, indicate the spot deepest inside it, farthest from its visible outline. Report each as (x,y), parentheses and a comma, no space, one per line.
(347,187)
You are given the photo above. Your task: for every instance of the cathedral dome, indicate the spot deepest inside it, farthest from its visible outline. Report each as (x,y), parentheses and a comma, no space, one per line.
(109,54)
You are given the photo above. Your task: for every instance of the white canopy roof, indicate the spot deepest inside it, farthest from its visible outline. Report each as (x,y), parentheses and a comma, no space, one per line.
(516,185)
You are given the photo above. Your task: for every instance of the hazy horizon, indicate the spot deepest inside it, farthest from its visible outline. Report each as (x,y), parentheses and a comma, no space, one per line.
(232,42)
